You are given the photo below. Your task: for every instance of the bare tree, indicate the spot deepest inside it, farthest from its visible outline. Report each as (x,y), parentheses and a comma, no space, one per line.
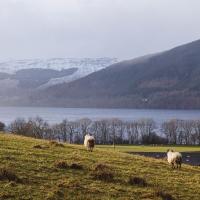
(2,126)
(84,123)
(56,132)
(64,130)
(197,130)
(170,130)
(113,128)
(107,131)
(187,127)
(129,131)
(133,132)
(146,127)
(104,129)
(72,129)
(19,127)
(95,129)
(38,127)
(121,129)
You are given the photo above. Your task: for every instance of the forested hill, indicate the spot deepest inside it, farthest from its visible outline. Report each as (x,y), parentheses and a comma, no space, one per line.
(170,79)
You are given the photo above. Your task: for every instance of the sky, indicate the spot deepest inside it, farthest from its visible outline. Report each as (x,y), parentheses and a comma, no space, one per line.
(123,29)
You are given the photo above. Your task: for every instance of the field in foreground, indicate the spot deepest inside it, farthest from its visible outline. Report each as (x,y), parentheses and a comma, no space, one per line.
(36,169)
(149,148)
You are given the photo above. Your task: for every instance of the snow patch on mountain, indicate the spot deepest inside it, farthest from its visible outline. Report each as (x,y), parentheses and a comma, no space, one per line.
(85,64)
(85,67)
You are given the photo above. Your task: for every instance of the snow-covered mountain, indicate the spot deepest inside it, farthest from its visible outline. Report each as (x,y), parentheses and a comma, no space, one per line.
(83,66)
(86,65)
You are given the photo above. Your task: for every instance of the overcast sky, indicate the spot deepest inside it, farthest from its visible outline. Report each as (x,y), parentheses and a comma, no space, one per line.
(95,28)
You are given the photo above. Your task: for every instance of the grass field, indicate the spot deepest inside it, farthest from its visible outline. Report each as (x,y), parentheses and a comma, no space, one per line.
(36,169)
(149,148)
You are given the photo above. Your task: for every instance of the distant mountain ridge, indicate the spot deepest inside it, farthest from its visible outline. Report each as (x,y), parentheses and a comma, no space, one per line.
(169,79)
(20,78)
(12,66)
(83,66)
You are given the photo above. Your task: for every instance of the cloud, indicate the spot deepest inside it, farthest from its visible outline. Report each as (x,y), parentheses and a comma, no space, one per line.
(94,28)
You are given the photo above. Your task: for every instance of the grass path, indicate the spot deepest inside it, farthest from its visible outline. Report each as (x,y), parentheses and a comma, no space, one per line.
(41,179)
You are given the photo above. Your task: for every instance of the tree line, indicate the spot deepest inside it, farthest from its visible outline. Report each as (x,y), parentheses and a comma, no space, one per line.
(109,131)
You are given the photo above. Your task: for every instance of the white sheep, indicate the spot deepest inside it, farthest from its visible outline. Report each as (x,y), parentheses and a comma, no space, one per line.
(89,142)
(174,158)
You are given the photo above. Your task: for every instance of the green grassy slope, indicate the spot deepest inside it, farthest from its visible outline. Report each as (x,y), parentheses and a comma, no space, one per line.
(41,179)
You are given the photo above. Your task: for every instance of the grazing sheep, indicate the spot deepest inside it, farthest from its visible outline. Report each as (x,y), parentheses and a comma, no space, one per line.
(89,142)
(174,158)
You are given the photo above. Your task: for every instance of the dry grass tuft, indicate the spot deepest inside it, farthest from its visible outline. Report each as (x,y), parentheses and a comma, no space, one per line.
(55,194)
(52,142)
(73,184)
(6,196)
(103,172)
(101,167)
(61,164)
(163,195)
(56,144)
(134,180)
(8,174)
(38,146)
(76,166)
(64,165)
(8,158)
(11,184)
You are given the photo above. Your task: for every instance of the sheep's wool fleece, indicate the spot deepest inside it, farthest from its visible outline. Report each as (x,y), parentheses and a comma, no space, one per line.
(171,156)
(87,137)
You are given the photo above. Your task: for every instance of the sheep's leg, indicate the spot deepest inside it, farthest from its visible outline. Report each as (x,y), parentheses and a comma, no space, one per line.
(178,164)
(175,165)
(172,165)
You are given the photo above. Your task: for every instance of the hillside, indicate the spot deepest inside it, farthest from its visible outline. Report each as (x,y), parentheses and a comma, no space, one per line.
(170,79)
(41,170)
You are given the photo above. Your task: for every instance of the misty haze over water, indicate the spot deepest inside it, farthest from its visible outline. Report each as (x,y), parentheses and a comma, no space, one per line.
(56,115)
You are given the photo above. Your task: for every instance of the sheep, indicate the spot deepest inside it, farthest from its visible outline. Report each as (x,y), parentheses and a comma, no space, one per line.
(89,142)
(174,158)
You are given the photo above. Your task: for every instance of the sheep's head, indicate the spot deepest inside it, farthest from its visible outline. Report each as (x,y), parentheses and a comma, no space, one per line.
(169,150)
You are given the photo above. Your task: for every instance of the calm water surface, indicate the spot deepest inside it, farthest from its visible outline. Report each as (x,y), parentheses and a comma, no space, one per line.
(54,115)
